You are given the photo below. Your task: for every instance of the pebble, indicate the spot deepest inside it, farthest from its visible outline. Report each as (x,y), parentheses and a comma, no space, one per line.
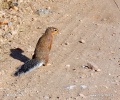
(82,95)
(66,43)
(46,97)
(15,8)
(70,87)
(68,66)
(93,66)
(13,5)
(13,32)
(82,41)
(9,23)
(7,35)
(83,66)
(109,74)
(43,11)
(37,91)
(83,86)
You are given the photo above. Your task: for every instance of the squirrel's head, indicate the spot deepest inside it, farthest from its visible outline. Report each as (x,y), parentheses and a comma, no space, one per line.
(52,30)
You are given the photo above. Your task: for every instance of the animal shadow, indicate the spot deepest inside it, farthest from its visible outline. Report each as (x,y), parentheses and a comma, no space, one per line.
(17,54)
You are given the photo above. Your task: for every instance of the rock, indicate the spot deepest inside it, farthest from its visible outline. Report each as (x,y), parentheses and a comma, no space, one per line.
(7,35)
(67,66)
(13,5)
(13,32)
(43,11)
(58,97)
(93,66)
(15,8)
(9,23)
(70,87)
(83,66)
(82,95)
(82,41)
(83,86)
(46,97)
(66,43)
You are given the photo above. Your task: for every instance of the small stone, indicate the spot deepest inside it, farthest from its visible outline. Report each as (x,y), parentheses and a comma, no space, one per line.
(83,86)
(37,91)
(66,43)
(7,35)
(44,11)
(68,65)
(46,97)
(74,69)
(82,95)
(98,70)
(112,52)
(70,87)
(58,97)
(82,41)
(9,23)
(13,32)
(13,5)
(83,66)
(15,8)
(93,66)
(118,76)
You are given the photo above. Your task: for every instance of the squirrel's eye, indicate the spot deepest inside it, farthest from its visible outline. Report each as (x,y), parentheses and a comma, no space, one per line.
(55,29)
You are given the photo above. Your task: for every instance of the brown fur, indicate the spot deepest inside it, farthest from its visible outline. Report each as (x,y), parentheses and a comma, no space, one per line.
(44,44)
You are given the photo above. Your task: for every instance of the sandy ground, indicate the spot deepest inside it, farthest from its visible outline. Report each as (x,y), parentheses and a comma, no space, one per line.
(89,32)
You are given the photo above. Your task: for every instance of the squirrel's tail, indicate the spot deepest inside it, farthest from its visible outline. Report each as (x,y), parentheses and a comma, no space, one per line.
(29,65)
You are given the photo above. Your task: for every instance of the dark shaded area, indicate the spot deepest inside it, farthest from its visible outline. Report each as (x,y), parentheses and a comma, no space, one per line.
(17,54)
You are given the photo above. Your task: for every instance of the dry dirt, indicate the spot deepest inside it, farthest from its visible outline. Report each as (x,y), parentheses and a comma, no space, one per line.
(89,32)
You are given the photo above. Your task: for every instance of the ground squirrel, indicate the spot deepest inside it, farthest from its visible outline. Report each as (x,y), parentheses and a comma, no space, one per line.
(41,53)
